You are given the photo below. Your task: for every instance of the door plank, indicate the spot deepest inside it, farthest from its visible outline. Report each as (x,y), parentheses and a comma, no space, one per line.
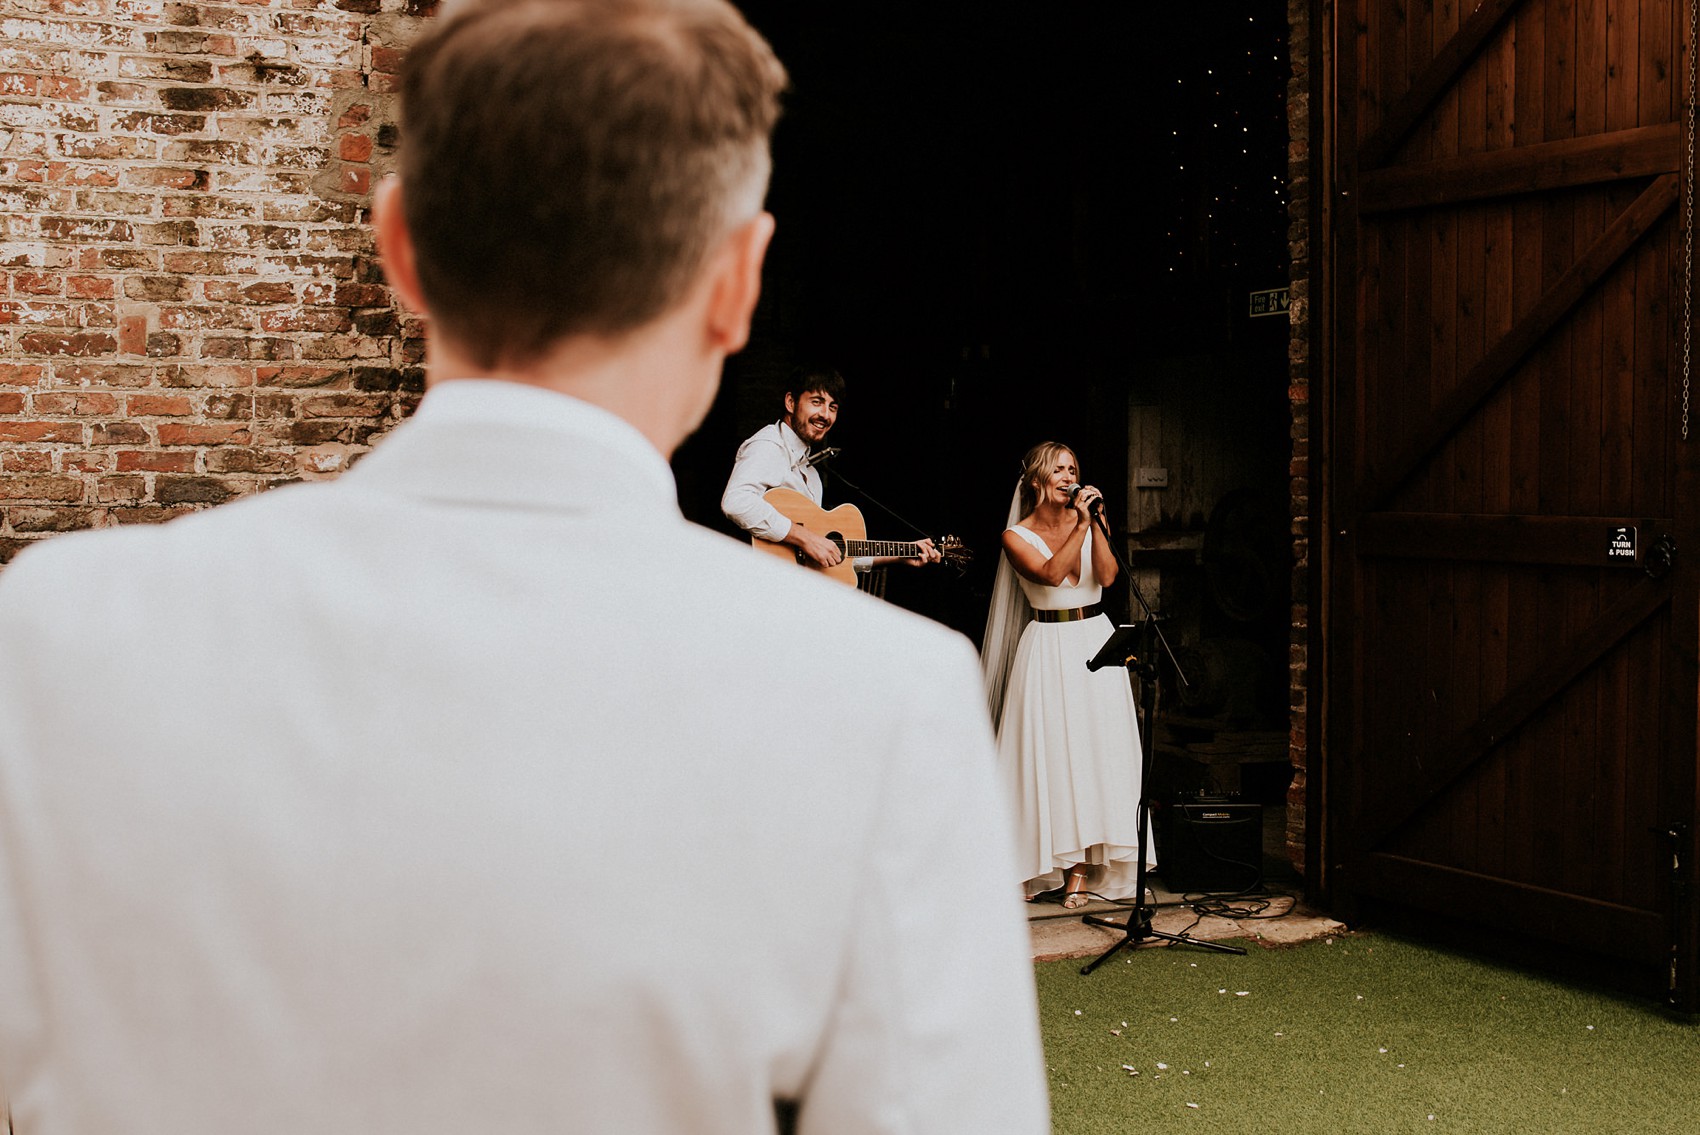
(1433,81)
(1644,151)
(1560,541)
(1613,929)
(1559,299)
(1395,804)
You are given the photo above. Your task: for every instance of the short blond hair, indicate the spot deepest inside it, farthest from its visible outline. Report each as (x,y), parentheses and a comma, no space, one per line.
(567,165)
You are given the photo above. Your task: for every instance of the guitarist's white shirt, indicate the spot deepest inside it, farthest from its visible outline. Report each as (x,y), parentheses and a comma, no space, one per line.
(773,457)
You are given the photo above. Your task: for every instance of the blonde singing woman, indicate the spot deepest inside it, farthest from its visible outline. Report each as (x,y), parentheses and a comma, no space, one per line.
(1068,738)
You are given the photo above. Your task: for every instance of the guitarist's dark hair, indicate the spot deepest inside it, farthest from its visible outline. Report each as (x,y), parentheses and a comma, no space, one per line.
(824,379)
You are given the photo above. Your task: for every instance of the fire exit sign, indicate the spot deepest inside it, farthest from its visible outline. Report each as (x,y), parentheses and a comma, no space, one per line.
(1272,301)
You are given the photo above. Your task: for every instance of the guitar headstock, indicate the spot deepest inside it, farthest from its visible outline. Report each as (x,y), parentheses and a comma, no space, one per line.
(955,552)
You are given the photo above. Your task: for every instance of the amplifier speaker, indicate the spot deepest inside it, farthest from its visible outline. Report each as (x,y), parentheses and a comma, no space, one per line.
(1207,845)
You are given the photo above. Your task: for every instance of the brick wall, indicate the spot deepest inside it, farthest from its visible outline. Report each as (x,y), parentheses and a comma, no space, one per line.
(189,305)
(1298,360)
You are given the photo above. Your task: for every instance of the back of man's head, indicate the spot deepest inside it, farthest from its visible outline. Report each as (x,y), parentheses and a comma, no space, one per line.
(567,165)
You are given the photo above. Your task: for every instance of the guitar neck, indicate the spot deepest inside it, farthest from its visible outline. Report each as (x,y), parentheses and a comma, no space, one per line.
(902,549)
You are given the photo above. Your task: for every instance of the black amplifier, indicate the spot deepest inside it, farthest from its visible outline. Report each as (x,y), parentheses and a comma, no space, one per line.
(1210,844)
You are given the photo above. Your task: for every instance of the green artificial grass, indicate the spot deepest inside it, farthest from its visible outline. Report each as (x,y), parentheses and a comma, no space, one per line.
(1358,1033)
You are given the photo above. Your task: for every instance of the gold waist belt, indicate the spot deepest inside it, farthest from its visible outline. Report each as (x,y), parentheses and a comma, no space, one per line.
(1070,615)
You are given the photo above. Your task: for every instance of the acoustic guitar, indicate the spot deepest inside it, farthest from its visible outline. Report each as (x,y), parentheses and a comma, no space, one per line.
(844,526)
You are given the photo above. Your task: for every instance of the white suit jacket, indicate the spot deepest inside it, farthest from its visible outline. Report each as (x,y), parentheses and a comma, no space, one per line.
(433,799)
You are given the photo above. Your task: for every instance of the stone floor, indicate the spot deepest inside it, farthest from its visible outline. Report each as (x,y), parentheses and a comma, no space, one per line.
(1284,919)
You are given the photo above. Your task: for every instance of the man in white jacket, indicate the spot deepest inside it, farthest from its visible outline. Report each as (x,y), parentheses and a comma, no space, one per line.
(451,795)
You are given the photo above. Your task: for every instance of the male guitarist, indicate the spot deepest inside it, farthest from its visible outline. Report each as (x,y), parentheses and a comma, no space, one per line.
(778,456)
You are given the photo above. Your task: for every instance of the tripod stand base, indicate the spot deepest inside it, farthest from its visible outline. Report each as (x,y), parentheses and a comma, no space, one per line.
(1138,929)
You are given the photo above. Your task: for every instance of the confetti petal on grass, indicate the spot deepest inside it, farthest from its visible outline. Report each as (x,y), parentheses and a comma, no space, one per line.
(1193,1106)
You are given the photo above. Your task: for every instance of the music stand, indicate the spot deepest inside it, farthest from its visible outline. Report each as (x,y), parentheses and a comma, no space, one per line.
(1135,648)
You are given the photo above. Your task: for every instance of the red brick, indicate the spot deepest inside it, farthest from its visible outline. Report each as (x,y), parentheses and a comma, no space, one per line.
(168,178)
(198,376)
(159,405)
(295,377)
(41,488)
(355,148)
(51,519)
(130,489)
(323,320)
(89,287)
(362,295)
(153,515)
(86,461)
(231,459)
(64,88)
(119,433)
(268,293)
(97,374)
(21,374)
(215,433)
(154,461)
(132,334)
(38,432)
(78,173)
(345,406)
(37,284)
(356,179)
(27,461)
(193,490)
(11,403)
(76,344)
(80,403)
(27,170)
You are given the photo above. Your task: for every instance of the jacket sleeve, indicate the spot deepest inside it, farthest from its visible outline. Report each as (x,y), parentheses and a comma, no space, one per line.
(937,1028)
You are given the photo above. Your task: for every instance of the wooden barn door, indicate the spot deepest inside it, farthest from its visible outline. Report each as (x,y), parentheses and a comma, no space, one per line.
(1513,551)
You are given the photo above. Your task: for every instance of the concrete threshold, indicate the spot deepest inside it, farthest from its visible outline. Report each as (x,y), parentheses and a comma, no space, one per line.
(1060,934)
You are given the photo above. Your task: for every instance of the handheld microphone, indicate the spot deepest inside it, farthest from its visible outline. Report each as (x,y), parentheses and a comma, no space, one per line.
(1074,491)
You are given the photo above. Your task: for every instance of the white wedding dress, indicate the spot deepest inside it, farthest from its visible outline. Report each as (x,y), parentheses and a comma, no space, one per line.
(1068,743)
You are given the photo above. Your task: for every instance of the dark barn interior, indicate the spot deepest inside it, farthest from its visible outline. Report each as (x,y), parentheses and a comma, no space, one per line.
(1003,223)
(1007,222)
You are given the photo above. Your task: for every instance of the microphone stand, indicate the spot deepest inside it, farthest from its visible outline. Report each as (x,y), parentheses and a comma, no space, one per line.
(1134,647)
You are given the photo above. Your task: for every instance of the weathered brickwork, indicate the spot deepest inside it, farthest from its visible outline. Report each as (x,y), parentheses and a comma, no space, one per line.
(1298,359)
(190,309)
